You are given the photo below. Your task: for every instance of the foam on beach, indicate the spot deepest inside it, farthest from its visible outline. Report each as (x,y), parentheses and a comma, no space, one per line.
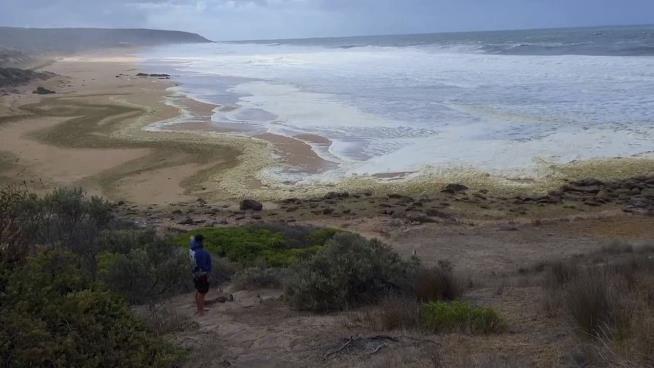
(425,110)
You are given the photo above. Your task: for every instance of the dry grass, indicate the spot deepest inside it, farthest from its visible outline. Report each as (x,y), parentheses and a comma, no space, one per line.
(437,283)
(592,301)
(609,296)
(392,313)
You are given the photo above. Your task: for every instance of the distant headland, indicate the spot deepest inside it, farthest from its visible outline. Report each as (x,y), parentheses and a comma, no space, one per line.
(78,39)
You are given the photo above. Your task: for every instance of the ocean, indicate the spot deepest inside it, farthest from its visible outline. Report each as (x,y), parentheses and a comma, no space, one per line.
(508,103)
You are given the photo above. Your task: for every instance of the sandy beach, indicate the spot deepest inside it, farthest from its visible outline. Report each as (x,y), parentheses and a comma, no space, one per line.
(119,135)
(90,133)
(138,139)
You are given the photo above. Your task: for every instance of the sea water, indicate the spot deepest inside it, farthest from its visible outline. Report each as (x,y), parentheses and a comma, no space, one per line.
(505,103)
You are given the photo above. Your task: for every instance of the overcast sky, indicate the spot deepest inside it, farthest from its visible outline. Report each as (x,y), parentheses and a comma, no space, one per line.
(260,19)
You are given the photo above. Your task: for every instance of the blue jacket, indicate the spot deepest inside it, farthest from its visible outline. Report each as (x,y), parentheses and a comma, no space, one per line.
(201,256)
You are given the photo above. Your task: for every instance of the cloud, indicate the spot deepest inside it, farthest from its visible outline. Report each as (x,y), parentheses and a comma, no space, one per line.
(252,19)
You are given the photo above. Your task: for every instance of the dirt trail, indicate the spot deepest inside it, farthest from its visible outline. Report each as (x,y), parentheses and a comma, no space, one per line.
(257,330)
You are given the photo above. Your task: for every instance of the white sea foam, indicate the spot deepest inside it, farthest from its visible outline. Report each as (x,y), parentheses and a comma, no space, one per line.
(391,109)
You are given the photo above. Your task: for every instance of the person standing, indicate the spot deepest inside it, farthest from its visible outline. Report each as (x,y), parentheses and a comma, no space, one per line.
(201,260)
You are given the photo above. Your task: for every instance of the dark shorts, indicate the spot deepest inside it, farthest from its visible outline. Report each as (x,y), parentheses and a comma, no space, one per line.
(201,284)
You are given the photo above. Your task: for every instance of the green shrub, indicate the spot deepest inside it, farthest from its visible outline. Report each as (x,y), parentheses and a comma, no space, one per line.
(66,217)
(296,236)
(149,270)
(259,278)
(460,316)
(124,240)
(14,239)
(54,316)
(348,272)
(274,245)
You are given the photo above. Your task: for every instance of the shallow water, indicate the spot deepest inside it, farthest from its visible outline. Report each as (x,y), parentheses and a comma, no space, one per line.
(434,102)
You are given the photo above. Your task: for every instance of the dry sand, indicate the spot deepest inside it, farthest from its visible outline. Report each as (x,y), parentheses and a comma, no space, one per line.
(132,138)
(90,133)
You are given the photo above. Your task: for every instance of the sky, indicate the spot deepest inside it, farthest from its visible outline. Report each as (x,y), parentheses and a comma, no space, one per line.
(268,19)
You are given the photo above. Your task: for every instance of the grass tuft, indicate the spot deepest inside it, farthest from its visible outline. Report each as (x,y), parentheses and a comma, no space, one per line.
(460,316)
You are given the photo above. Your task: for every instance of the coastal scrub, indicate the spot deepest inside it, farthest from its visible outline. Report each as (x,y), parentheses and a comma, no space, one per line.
(273,245)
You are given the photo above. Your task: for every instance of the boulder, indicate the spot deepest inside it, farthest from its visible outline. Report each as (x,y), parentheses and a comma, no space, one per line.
(581,188)
(251,204)
(337,195)
(454,188)
(291,201)
(186,221)
(588,183)
(433,212)
(42,91)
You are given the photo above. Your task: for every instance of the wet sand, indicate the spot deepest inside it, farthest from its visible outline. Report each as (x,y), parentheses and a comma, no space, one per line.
(90,133)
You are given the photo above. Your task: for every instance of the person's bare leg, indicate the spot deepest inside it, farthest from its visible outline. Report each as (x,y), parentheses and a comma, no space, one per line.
(201,309)
(197,303)
(201,305)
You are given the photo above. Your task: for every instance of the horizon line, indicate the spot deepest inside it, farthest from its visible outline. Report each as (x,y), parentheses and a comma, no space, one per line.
(440,32)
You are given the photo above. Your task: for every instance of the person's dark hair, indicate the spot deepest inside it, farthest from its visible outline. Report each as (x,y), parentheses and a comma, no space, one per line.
(199,237)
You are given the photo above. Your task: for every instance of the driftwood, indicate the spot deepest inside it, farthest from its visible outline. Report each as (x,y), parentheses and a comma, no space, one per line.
(350,342)
(381,346)
(347,343)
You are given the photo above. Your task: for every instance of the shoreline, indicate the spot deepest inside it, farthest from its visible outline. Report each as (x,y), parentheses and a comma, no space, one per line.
(190,160)
(541,175)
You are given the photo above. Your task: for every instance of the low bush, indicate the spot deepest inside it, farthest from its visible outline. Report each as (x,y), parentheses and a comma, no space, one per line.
(260,278)
(617,247)
(437,283)
(349,271)
(560,274)
(392,313)
(460,316)
(66,217)
(274,245)
(143,267)
(54,316)
(222,271)
(14,239)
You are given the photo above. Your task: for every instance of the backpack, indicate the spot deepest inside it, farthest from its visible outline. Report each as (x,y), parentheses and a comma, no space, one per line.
(197,273)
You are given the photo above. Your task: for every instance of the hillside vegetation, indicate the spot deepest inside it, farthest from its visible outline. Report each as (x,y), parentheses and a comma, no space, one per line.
(77,39)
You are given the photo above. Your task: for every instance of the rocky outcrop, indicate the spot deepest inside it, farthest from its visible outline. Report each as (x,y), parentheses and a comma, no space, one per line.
(635,194)
(154,75)
(12,77)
